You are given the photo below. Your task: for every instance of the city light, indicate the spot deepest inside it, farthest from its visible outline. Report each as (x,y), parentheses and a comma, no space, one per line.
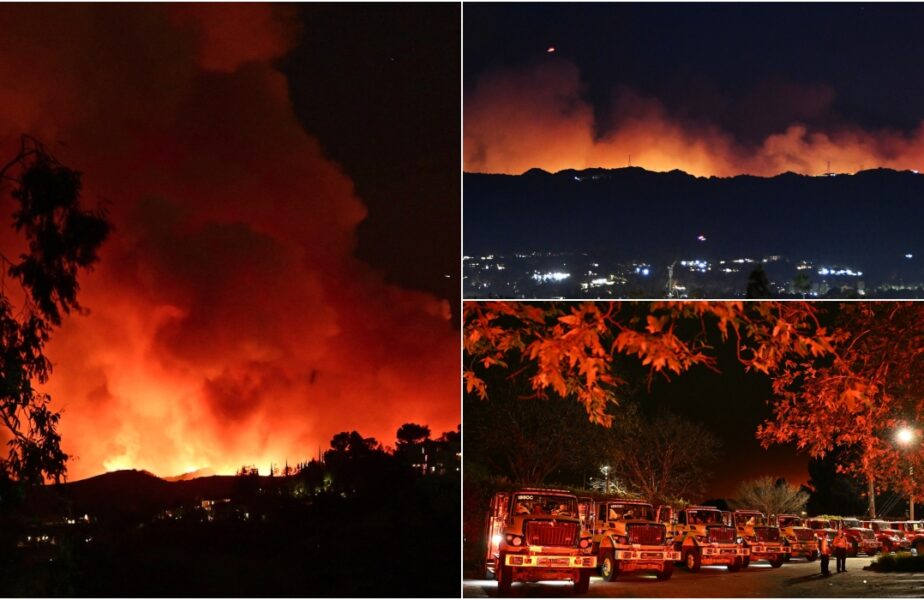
(551,276)
(833,271)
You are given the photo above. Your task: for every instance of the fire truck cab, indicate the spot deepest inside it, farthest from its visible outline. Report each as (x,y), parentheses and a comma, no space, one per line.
(913,532)
(760,537)
(798,540)
(535,534)
(860,538)
(892,539)
(822,528)
(702,538)
(628,538)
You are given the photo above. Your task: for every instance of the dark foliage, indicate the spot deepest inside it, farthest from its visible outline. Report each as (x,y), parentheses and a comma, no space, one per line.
(62,239)
(899,561)
(360,523)
(758,284)
(833,493)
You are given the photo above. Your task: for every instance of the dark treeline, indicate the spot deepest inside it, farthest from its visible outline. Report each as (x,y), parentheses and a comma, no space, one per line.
(362,521)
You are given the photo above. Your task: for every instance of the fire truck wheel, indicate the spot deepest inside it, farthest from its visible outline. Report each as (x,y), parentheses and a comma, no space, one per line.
(666,572)
(735,566)
(693,560)
(886,547)
(609,567)
(745,562)
(853,550)
(504,576)
(813,556)
(777,562)
(919,547)
(582,584)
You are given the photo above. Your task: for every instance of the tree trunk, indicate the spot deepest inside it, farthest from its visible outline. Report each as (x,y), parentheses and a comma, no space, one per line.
(872,495)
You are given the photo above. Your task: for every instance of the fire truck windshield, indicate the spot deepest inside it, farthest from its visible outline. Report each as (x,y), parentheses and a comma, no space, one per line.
(545,504)
(851,523)
(790,521)
(617,511)
(704,517)
(750,519)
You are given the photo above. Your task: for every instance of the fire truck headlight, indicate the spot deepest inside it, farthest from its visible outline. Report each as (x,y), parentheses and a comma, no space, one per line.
(585,542)
(739,540)
(514,540)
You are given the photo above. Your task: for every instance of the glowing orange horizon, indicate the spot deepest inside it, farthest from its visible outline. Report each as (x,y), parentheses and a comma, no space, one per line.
(536,117)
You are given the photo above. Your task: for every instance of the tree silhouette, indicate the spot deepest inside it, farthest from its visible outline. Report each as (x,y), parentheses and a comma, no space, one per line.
(771,496)
(664,458)
(801,283)
(62,239)
(412,433)
(758,284)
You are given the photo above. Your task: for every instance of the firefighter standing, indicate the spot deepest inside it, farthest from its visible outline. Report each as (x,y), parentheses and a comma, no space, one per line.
(840,551)
(825,549)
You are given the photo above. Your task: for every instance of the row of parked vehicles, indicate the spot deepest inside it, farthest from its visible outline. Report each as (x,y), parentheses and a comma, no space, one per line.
(538,534)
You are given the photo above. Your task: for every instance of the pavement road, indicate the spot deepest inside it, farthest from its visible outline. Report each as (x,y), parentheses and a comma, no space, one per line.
(795,579)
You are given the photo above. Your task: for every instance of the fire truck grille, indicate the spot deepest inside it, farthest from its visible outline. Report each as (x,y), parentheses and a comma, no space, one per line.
(645,534)
(804,534)
(868,534)
(721,534)
(767,534)
(551,533)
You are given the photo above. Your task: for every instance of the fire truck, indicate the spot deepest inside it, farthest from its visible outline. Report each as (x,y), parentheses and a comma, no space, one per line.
(535,534)
(627,538)
(762,539)
(892,539)
(703,538)
(798,540)
(913,532)
(822,528)
(859,538)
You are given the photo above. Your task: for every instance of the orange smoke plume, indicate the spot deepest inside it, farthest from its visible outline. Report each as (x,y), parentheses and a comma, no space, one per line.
(517,119)
(228,321)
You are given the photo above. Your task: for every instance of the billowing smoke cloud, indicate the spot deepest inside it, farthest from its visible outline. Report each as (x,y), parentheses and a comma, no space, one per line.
(229,323)
(537,116)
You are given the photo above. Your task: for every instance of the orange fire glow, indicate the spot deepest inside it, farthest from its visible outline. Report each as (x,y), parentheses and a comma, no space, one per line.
(228,322)
(517,119)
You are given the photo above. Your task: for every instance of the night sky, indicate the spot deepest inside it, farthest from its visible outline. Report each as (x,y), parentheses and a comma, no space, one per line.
(378,84)
(718,81)
(730,404)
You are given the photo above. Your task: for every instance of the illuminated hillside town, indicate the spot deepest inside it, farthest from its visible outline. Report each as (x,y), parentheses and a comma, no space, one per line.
(523,275)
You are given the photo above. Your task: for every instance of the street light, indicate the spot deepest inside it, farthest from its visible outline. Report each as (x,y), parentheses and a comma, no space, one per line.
(905,437)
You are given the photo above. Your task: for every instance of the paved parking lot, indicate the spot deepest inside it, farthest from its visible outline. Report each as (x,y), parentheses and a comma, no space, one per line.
(795,579)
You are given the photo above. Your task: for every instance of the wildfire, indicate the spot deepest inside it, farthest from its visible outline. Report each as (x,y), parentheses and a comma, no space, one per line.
(518,119)
(228,322)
